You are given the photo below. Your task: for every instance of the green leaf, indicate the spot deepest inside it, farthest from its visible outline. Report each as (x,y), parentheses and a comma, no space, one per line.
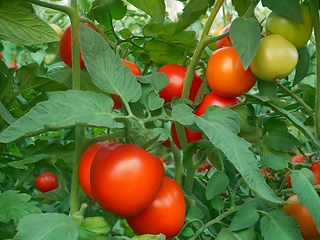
(15,206)
(302,67)
(58,194)
(241,6)
(307,195)
(221,126)
(150,237)
(287,8)
(268,89)
(279,139)
(217,202)
(195,213)
(216,184)
(192,11)
(18,25)
(245,34)
(48,226)
(107,69)
(246,234)
(21,164)
(277,225)
(63,110)
(275,162)
(154,8)
(183,113)
(6,114)
(309,95)
(95,225)
(246,217)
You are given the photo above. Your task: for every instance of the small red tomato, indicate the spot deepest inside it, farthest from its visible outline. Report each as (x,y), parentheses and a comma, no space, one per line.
(65,48)
(212,98)
(268,172)
(204,166)
(125,178)
(191,135)
(176,75)
(85,166)
(164,215)
(224,42)
(46,182)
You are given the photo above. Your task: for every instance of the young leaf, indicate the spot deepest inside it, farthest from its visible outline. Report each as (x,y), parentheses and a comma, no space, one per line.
(107,69)
(302,67)
(278,140)
(18,25)
(47,226)
(154,8)
(15,206)
(246,217)
(63,110)
(245,34)
(216,184)
(277,225)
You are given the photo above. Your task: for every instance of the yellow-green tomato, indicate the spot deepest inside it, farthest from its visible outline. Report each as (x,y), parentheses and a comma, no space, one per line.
(276,57)
(298,34)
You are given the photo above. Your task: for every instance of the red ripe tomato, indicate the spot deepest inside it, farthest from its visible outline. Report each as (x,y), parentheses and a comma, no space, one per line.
(134,68)
(164,215)
(224,42)
(125,178)
(65,48)
(307,227)
(46,182)
(212,98)
(176,75)
(191,135)
(226,75)
(204,166)
(268,172)
(85,166)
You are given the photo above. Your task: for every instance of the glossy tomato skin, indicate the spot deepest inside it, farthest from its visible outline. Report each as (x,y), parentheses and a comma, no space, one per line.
(191,135)
(226,75)
(134,68)
(307,227)
(276,57)
(65,48)
(125,178)
(164,215)
(296,33)
(224,42)
(212,98)
(176,75)
(46,182)
(85,166)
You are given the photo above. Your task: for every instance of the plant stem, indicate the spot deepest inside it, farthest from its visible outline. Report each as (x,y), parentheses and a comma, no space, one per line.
(297,99)
(179,168)
(316,28)
(60,8)
(31,172)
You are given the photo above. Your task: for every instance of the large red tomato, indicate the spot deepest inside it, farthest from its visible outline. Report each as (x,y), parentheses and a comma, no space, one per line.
(134,68)
(307,227)
(176,75)
(46,182)
(164,215)
(226,75)
(85,166)
(212,98)
(191,135)
(224,42)
(125,178)
(65,48)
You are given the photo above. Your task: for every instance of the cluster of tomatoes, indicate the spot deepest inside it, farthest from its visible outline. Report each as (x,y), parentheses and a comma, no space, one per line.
(128,181)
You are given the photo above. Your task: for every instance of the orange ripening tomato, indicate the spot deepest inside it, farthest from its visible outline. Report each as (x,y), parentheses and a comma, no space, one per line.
(85,166)
(226,75)
(307,227)
(191,135)
(212,98)
(224,42)
(164,215)
(125,179)
(218,30)
(134,68)
(46,182)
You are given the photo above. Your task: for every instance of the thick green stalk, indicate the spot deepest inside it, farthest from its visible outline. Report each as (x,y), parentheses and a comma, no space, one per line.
(316,28)
(60,8)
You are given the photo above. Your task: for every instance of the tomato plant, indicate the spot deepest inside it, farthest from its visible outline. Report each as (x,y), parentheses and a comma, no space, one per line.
(46,182)
(276,57)
(306,225)
(226,75)
(176,75)
(65,49)
(191,135)
(164,215)
(85,166)
(296,33)
(125,178)
(224,42)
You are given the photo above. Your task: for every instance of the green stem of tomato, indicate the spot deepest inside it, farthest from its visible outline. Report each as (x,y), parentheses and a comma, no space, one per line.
(30,173)
(192,169)
(179,168)
(316,28)
(60,8)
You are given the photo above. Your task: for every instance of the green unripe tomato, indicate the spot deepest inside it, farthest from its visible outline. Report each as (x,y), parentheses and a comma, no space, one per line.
(276,57)
(298,34)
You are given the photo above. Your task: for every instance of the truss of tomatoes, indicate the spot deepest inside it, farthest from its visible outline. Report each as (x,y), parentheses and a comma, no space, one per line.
(128,181)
